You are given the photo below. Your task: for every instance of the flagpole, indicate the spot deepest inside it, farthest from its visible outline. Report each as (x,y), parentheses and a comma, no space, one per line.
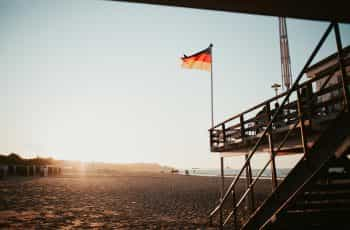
(212,125)
(211,86)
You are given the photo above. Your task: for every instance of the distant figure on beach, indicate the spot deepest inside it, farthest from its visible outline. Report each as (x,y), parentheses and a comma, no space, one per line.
(279,122)
(261,119)
(309,99)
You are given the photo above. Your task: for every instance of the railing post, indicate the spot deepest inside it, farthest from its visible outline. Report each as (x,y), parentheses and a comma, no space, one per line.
(301,122)
(241,120)
(222,190)
(273,164)
(223,133)
(211,139)
(341,65)
(271,145)
(309,104)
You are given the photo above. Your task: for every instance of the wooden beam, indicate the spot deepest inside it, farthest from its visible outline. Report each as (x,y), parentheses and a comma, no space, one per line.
(335,10)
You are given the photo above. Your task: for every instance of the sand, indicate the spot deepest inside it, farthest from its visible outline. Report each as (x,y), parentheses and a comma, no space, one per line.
(130,201)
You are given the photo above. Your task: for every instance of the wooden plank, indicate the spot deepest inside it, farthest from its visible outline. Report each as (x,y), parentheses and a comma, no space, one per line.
(331,187)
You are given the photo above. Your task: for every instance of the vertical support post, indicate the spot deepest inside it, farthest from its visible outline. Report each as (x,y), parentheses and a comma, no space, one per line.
(301,122)
(272,152)
(222,189)
(250,197)
(341,65)
(234,215)
(307,110)
(211,140)
(273,163)
(241,120)
(222,177)
(223,133)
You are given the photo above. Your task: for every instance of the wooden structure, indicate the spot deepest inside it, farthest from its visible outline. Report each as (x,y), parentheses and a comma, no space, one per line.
(321,97)
(313,120)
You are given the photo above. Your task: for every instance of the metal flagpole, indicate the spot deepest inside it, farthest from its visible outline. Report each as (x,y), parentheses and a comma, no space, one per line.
(211,85)
(212,125)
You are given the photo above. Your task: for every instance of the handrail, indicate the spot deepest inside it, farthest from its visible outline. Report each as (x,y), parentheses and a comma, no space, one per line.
(232,132)
(269,126)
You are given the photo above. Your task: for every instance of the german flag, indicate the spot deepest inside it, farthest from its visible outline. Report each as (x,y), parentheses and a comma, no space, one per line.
(200,60)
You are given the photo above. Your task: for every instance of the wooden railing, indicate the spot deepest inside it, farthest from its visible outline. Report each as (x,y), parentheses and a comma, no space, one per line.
(225,133)
(293,113)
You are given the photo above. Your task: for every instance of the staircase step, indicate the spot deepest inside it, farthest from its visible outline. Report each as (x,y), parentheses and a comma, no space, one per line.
(290,150)
(342,162)
(336,219)
(317,196)
(320,205)
(330,187)
(338,176)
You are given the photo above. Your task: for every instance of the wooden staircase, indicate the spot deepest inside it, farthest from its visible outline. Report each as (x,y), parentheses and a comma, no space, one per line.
(304,180)
(316,192)
(324,203)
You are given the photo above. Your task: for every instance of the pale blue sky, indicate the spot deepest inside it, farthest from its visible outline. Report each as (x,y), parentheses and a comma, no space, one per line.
(99,80)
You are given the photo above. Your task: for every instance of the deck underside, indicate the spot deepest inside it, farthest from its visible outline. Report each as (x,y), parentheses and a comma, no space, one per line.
(311,9)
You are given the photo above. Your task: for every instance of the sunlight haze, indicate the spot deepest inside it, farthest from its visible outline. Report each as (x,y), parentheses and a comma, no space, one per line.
(102,81)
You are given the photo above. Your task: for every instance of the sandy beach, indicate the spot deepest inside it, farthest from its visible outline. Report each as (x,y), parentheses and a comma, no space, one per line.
(130,201)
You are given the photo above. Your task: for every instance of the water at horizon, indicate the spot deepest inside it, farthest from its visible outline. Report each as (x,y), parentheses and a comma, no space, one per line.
(232,172)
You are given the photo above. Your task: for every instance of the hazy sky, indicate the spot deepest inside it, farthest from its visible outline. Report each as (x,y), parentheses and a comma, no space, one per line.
(99,80)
